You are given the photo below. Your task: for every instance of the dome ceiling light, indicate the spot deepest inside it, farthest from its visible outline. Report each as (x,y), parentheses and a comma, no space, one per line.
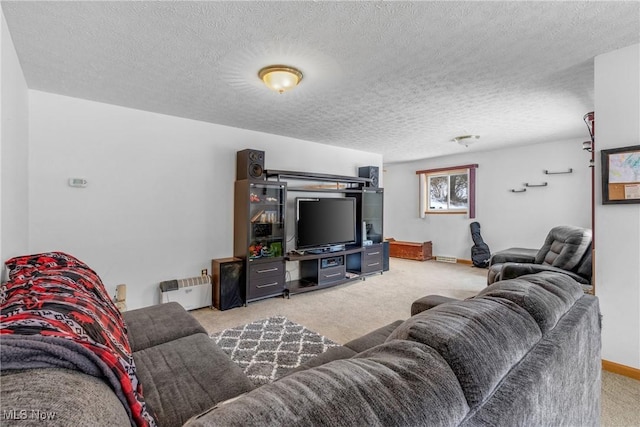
(466,140)
(280,78)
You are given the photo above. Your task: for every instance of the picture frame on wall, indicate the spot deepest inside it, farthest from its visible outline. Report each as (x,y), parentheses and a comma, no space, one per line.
(621,175)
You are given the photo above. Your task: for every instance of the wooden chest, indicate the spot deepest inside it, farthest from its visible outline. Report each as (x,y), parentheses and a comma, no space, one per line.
(410,250)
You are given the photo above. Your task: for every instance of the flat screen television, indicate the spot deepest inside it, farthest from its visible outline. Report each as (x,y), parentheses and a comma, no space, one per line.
(323,223)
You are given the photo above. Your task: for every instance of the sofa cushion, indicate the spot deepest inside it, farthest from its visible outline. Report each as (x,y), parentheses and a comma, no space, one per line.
(399,383)
(481,340)
(558,381)
(65,397)
(373,338)
(334,353)
(428,302)
(561,285)
(182,378)
(158,324)
(545,296)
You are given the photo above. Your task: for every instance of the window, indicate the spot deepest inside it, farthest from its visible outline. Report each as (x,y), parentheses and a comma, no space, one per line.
(448,190)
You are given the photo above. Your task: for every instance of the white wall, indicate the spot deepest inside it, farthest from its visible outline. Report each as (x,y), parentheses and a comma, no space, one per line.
(617,229)
(13,150)
(507,219)
(159,199)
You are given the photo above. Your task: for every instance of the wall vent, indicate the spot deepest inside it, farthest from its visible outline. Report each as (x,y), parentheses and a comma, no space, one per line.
(450,259)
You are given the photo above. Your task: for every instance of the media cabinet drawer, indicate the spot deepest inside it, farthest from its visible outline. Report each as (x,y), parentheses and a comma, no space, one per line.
(265,279)
(266,286)
(373,251)
(331,274)
(266,269)
(372,259)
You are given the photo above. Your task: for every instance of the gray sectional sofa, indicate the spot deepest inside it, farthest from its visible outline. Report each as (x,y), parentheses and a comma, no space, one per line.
(522,352)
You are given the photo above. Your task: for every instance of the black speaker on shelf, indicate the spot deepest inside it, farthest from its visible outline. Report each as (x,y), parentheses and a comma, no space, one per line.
(370,172)
(250,165)
(228,283)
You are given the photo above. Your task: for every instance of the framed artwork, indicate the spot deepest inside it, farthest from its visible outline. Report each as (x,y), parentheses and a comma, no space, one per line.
(621,175)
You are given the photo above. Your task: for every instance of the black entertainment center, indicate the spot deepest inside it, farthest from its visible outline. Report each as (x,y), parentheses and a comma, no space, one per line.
(338,238)
(357,233)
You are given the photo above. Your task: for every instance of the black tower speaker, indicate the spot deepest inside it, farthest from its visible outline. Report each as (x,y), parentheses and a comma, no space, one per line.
(370,172)
(250,165)
(228,283)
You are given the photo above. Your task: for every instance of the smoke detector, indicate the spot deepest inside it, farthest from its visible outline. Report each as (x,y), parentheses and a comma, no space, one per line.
(466,140)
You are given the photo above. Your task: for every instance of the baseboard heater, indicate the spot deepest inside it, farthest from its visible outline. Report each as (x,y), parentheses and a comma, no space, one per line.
(450,259)
(191,293)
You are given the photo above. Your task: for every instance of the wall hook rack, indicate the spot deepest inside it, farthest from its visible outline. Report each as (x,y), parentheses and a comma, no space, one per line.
(546,172)
(544,184)
(518,191)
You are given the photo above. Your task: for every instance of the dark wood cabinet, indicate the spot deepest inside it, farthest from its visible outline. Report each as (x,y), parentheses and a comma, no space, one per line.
(260,236)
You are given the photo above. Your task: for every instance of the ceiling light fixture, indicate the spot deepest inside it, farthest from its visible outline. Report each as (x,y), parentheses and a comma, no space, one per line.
(466,140)
(280,78)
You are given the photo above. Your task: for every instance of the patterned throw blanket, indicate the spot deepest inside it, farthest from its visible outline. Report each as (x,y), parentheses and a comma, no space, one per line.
(55,312)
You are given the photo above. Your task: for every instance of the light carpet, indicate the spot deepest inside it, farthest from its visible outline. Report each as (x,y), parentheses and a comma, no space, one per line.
(269,348)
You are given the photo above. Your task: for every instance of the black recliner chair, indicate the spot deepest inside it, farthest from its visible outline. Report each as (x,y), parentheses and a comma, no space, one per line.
(567,250)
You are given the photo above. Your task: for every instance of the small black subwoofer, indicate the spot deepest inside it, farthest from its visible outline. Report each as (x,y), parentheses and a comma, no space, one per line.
(228,283)
(250,165)
(371,172)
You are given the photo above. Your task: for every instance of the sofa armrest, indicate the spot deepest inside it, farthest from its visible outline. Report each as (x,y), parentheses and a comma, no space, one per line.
(158,324)
(522,255)
(512,270)
(430,301)
(66,397)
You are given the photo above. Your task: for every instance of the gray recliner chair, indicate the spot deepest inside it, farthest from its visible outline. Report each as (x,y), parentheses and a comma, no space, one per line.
(567,250)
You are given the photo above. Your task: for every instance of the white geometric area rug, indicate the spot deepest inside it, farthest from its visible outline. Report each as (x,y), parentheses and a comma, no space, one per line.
(269,348)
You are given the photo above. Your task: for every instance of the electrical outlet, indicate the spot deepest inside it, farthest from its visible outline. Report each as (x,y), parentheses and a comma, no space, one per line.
(204,272)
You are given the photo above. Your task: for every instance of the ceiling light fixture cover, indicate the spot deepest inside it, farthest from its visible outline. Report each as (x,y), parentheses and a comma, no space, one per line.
(466,140)
(280,78)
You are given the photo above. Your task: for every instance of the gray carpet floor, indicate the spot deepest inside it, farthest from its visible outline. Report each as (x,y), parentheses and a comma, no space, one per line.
(351,310)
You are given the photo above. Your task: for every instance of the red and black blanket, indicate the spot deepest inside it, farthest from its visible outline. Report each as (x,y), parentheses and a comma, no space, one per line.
(55,312)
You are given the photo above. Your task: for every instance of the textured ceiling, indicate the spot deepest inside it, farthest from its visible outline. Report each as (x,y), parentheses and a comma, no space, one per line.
(397,78)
